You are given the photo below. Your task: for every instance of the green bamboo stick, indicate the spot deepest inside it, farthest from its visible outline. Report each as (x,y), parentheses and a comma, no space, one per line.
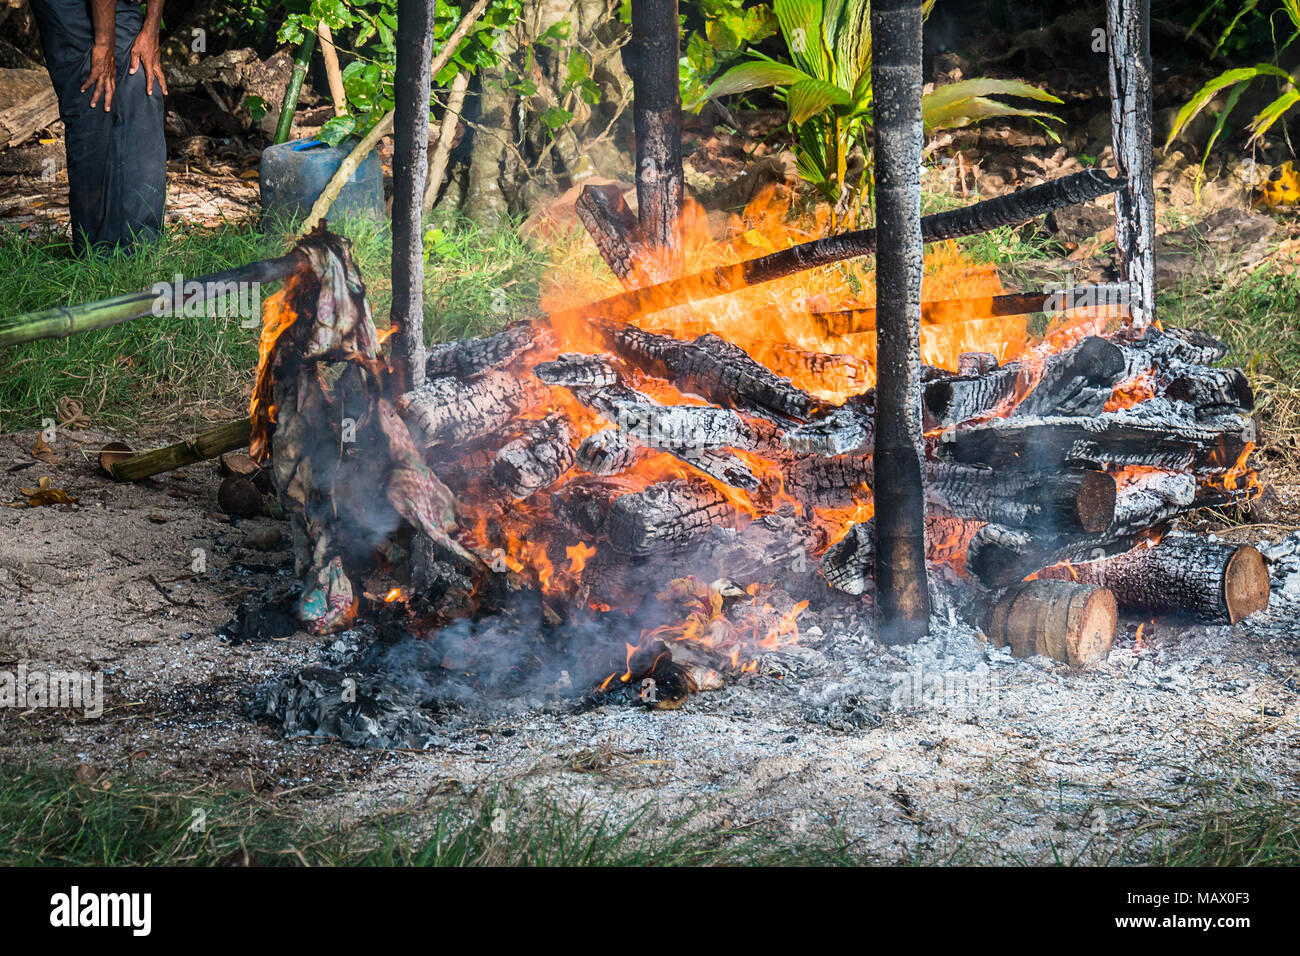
(206,444)
(62,321)
(300,64)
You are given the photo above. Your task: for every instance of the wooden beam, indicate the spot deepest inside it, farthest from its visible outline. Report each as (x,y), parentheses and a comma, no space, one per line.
(902,591)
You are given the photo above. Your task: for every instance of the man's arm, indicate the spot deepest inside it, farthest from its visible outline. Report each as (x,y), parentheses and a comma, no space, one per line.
(144,52)
(103,69)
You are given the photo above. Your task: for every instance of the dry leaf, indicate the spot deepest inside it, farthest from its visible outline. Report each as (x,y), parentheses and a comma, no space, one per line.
(43,452)
(44,494)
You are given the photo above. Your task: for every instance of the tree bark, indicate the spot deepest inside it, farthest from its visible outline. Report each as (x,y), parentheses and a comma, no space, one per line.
(1128,28)
(657,116)
(410,164)
(902,594)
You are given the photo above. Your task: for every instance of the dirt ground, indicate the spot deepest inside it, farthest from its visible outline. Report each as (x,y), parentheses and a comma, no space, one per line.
(945,745)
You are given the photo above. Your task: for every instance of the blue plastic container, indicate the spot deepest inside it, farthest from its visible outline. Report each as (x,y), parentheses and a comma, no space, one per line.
(293,175)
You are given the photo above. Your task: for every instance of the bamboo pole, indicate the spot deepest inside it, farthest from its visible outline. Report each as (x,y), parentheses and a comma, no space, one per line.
(332,72)
(955,311)
(62,321)
(208,443)
(292,91)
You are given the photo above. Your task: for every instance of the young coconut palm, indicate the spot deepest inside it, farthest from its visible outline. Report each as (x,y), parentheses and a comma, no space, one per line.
(828,93)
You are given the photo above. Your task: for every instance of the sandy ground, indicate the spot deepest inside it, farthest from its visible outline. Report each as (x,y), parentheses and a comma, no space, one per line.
(947,745)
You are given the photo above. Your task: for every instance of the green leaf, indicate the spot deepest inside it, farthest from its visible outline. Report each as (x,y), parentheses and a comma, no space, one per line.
(971,110)
(555,117)
(984,86)
(1206,93)
(801,25)
(256,107)
(337,129)
(809,97)
(755,75)
(1272,113)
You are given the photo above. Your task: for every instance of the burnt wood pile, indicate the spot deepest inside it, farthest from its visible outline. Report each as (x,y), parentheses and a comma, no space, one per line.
(1062,463)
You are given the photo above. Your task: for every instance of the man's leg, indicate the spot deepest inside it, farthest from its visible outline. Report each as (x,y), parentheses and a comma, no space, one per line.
(117,161)
(139,147)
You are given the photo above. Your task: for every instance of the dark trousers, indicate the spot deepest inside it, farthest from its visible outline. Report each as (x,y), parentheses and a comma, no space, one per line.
(117,161)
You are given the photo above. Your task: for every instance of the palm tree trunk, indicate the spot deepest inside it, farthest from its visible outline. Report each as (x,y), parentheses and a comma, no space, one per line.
(902,594)
(657,116)
(410,159)
(1128,29)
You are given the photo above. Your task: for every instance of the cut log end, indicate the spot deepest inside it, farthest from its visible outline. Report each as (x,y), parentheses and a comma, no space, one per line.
(1068,622)
(1096,501)
(1245,584)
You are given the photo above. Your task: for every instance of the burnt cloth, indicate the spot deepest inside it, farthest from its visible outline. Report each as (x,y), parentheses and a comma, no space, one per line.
(117,161)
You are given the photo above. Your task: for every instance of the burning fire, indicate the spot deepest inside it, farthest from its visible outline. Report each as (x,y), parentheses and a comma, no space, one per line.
(777,324)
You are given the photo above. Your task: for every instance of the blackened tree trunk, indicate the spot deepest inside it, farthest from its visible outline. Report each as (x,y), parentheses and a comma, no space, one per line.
(902,594)
(1128,29)
(410,165)
(657,115)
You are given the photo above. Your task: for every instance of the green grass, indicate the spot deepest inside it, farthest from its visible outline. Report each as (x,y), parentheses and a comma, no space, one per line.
(198,370)
(1255,315)
(49,815)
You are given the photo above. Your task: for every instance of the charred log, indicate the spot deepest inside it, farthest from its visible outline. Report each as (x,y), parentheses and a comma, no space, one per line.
(1077,382)
(849,564)
(577,370)
(1064,502)
(951,401)
(1183,576)
(536,459)
(1068,622)
(1153,433)
(450,411)
(712,367)
(613,226)
(830,482)
(665,517)
(467,357)
(999,556)
(583,503)
(844,430)
(606,452)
